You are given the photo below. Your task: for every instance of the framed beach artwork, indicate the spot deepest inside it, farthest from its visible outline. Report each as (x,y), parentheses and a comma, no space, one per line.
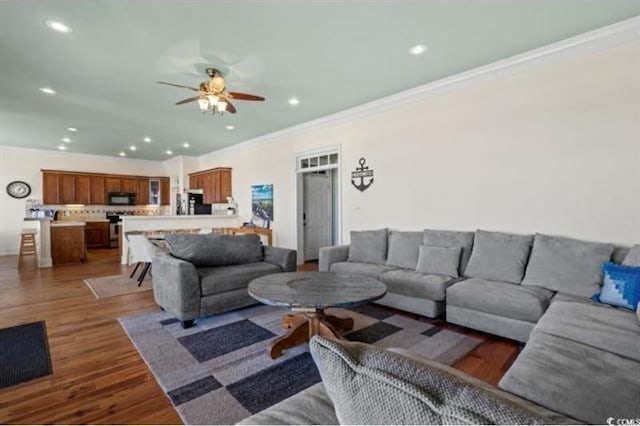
(262,205)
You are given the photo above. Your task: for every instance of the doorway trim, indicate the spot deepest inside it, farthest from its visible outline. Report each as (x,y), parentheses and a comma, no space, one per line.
(298,229)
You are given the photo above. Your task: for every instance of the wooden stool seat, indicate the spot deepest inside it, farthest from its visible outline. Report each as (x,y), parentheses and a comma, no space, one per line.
(28,245)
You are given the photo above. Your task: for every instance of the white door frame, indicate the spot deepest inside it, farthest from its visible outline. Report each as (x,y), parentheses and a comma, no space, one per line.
(298,228)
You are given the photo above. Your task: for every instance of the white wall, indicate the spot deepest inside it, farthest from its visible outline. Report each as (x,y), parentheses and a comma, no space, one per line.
(25,164)
(552,147)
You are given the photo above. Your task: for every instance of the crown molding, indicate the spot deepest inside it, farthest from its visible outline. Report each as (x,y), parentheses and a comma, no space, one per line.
(593,41)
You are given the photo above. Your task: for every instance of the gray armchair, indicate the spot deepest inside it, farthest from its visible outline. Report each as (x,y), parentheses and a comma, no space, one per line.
(209,274)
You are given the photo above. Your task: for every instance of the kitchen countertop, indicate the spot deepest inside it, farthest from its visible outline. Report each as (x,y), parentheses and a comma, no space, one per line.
(57,224)
(38,218)
(197,216)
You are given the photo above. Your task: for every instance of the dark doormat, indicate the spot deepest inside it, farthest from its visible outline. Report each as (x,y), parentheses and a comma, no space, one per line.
(24,353)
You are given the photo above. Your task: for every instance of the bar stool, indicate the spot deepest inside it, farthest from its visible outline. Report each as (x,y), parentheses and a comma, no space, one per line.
(28,245)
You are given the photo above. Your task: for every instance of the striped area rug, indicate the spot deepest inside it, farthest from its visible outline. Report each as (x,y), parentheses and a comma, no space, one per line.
(219,372)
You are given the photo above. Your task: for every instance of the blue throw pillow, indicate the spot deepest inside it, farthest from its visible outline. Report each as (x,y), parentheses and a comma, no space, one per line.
(621,286)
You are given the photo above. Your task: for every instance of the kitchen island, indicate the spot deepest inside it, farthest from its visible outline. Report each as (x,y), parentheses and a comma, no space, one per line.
(168,223)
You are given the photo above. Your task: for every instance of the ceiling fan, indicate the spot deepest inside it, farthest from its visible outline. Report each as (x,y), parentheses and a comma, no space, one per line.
(213,95)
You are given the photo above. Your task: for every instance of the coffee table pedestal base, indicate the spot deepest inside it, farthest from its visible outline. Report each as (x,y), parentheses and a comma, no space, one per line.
(305,324)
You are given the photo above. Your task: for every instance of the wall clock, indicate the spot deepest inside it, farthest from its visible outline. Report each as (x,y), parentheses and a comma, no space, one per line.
(18,189)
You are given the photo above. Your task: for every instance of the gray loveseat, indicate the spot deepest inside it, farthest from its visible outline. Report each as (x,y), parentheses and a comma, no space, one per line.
(209,274)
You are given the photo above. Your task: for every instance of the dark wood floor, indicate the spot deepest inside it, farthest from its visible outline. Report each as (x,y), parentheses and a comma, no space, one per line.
(98,375)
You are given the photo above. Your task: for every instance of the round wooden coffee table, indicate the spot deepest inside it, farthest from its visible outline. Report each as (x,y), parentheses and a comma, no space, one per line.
(308,294)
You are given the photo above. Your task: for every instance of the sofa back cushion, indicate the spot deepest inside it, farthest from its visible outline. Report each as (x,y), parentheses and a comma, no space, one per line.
(369,385)
(498,256)
(403,249)
(439,261)
(462,239)
(216,249)
(633,256)
(368,246)
(567,265)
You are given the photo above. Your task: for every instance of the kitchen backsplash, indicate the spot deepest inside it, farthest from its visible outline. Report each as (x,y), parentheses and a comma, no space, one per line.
(99,212)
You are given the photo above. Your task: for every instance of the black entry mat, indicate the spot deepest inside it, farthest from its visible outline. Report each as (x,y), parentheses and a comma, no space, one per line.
(24,353)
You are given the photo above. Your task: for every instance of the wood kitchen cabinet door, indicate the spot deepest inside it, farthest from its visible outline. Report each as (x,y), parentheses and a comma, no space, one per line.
(112,184)
(97,234)
(129,185)
(82,190)
(67,189)
(210,184)
(97,193)
(224,190)
(165,191)
(50,187)
(142,194)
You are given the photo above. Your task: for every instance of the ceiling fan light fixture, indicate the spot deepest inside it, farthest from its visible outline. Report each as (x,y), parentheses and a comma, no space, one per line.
(204,104)
(213,100)
(221,107)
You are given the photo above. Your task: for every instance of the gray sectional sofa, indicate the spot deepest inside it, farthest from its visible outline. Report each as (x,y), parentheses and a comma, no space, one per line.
(581,359)
(208,274)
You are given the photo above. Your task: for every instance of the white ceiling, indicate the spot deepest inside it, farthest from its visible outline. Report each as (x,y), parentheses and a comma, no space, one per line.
(331,55)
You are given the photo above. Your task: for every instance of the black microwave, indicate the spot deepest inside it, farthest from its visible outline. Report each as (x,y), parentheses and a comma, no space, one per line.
(121,199)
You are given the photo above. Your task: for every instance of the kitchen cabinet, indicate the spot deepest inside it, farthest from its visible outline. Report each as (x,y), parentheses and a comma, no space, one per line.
(111,184)
(97,234)
(67,190)
(66,187)
(82,189)
(165,191)
(129,185)
(215,184)
(68,244)
(97,193)
(50,186)
(142,193)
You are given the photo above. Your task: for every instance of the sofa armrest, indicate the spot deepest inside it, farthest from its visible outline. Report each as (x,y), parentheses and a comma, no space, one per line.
(284,258)
(176,286)
(331,255)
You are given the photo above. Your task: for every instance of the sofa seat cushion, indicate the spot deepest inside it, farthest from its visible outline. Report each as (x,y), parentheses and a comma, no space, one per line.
(500,298)
(564,297)
(227,278)
(415,284)
(612,330)
(357,268)
(578,380)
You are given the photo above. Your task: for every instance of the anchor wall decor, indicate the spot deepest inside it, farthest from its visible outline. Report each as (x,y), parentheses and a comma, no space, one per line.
(361,173)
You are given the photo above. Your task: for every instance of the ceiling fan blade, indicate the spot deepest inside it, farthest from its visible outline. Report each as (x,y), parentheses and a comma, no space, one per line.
(246,96)
(178,85)
(230,107)
(186,101)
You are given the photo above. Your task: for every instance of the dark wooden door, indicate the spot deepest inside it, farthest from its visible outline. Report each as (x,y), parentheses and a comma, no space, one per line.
(97,193)
(67,189)
(50,188)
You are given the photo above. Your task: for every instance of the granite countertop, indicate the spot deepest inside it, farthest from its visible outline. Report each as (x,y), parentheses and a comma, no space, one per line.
(66,223)
(39,218)
(96,220)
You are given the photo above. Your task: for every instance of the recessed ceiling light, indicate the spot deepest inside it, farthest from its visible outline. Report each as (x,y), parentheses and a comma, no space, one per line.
(133,148)
(48,90)
(66,140)
(230,127)
(57,26)
(418,49)
(147,139)
(294,101)
(72,129)
(169,152)
(62,147)
(122,154)
(186,145)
